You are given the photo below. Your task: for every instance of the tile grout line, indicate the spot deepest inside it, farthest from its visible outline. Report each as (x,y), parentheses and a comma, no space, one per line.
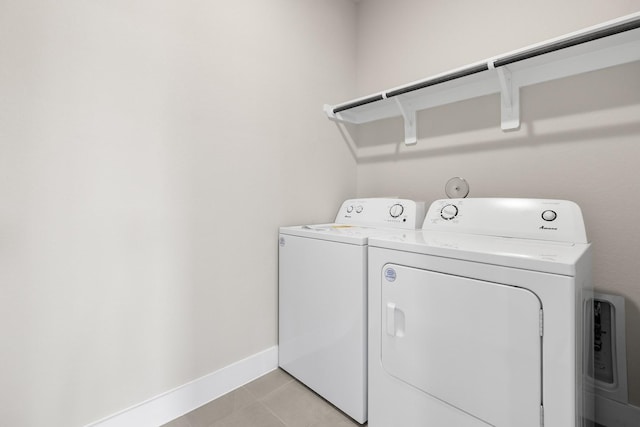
(291,379)
(261,399)
(272,412)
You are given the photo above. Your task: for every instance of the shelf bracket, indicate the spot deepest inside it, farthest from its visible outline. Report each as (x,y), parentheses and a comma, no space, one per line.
(409,116)
(509,99)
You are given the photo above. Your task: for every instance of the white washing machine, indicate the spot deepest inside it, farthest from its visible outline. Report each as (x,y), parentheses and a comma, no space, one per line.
(323,297)
(478,319)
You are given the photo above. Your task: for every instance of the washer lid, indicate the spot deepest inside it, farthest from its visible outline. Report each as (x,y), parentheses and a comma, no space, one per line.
(343,233)
(537,255)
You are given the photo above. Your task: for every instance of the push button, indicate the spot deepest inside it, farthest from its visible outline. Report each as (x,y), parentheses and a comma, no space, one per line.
(549,215)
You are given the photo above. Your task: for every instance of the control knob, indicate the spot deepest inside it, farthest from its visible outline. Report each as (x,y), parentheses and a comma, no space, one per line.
(396,210)
(449,212)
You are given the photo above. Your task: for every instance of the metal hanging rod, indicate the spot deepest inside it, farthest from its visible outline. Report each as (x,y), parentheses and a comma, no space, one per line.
(358,103)
(440,79)
(571,41)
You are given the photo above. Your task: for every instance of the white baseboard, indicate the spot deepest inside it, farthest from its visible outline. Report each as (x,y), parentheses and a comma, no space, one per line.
(615,414)
(172,404)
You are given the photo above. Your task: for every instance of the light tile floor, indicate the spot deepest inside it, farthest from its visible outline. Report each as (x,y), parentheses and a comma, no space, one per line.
(273,400)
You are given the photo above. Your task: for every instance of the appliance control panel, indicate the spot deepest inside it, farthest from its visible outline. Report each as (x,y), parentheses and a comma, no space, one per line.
(382,212)
(539,219)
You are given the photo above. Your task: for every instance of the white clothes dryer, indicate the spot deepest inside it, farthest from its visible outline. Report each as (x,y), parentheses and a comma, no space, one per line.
(323,297)
(478,319)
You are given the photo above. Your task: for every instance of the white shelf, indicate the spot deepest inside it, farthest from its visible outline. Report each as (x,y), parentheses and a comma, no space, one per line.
(611,43)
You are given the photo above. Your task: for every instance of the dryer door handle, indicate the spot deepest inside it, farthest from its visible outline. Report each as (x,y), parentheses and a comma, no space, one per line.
(395,320)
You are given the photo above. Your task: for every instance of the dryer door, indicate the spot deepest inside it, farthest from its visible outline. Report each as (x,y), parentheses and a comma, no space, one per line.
(472,344)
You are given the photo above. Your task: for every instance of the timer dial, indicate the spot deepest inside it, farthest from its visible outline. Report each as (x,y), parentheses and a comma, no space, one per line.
(396,210)
(449,212)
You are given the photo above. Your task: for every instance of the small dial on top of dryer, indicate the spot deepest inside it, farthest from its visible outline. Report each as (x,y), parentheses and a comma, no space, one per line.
(549,215)
(396,210)
(449,212)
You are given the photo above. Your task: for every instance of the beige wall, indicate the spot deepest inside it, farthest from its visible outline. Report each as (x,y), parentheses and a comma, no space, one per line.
(148,152)
(580,137)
